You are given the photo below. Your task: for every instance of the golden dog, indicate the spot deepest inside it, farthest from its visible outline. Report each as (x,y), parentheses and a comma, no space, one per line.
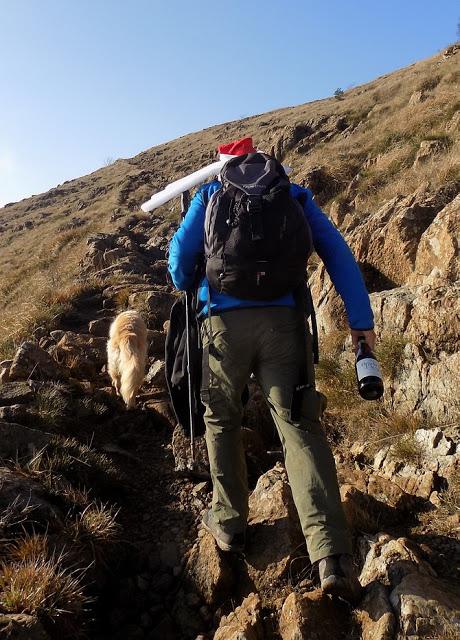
(127,355)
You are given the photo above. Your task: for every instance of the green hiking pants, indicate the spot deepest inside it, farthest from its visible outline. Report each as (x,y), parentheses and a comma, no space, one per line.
(269,342)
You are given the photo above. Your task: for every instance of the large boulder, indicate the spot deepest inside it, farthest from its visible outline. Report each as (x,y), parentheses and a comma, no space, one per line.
(33,362)
(387,560)
(155,303)
(84,354)
(375,614)
(438,254)
(209,571)
(427,375)
(435,456)
(245,623)
(427,607)
(388,239)
(428,149)
(310,616)
(274,533)
(15,393)
(17,441)
(371,501)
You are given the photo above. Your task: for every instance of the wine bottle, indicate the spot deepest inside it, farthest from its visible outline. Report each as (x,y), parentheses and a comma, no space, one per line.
(368,374)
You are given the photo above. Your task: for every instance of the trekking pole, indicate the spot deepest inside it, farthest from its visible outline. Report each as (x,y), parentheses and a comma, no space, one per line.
(185,199)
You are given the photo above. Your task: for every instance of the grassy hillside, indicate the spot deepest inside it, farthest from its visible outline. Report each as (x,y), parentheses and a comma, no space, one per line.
(365,143)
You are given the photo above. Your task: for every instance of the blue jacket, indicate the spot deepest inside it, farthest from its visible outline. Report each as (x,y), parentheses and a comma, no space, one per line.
(187,246)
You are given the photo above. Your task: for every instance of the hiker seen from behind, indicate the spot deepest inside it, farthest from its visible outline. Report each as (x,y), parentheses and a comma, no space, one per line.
(255,230)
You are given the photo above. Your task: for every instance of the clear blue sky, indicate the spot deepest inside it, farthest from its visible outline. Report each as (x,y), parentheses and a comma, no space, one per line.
(84,80)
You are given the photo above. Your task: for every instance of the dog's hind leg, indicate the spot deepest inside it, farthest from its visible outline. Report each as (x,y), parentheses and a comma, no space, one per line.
(113,357)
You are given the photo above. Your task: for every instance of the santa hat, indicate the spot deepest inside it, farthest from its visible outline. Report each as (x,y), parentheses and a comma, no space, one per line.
(236,148)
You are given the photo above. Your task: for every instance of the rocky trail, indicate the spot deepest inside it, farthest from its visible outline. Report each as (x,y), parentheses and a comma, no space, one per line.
(69,449)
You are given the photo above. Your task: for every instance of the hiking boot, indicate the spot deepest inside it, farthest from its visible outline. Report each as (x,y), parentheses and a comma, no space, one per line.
(224,541)
(339,578)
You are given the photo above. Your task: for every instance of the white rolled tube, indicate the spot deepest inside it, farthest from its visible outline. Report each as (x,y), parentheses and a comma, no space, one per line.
(183,184)
(188,182)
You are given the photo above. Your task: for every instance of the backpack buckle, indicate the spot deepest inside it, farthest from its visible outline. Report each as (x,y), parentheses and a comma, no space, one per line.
(254,208)
(254,204)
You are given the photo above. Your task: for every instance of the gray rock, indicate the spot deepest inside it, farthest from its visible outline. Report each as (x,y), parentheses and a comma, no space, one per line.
(156,374)
(57,334)
(20,626)
(26,500)
(85,353)
(388,560)
(427,607)
(5,371)
(31,361)
(15,393)
(437,454)
(375,615)
(17,441)
(15,413)
(157,303)
(428,148)
(209,571)
(310,615)
(156,340)
(100,327)
(274,535)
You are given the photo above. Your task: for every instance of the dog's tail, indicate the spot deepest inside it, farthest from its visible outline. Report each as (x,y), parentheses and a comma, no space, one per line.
(132,366)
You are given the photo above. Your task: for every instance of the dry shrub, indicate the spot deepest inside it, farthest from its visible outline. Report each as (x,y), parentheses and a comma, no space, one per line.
(29,546)
(41,586)
(428,84)
(407,450)
(95,527)
(14,516)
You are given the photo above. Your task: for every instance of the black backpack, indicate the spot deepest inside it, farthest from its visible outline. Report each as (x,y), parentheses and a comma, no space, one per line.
(257,240)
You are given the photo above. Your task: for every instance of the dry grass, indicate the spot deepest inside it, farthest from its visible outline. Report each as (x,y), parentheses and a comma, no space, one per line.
(450,498)
(389,352)
(13,517)
(121,298)
(407,450)
(53,403)
(40,287)
(72,291)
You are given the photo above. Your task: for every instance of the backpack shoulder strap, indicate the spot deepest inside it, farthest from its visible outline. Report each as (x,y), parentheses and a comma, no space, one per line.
(302,198)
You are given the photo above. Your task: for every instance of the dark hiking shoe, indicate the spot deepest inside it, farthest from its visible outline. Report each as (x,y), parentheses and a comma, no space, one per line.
(225,541)
(339,578)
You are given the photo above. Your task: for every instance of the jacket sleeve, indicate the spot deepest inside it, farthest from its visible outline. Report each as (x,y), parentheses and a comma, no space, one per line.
(187,244)
(340,265)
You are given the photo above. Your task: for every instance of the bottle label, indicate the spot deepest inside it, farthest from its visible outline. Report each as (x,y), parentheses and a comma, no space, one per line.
(368,367)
